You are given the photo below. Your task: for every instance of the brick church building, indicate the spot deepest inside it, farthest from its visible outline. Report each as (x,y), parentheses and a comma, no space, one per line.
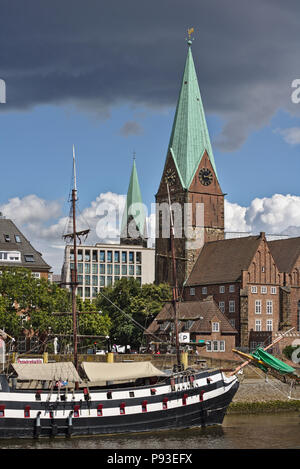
(254,282)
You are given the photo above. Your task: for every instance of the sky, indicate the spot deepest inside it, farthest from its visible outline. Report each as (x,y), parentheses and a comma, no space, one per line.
(105,76)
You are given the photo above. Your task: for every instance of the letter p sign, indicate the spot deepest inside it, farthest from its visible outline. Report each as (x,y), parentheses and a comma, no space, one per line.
(2,92)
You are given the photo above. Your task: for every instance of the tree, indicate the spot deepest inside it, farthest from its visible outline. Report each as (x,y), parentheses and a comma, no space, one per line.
(27,304)
(141,303)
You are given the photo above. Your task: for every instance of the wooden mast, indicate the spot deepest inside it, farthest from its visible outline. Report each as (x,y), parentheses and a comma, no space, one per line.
(74,280)
(175,283)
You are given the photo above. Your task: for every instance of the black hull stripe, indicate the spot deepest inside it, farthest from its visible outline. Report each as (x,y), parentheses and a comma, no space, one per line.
(210,412)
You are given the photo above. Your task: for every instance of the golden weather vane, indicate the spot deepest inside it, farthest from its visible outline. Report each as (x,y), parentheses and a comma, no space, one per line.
(190,31)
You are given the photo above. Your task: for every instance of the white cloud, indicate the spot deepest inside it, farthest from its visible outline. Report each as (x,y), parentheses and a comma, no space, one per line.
(41,221)
(291,135)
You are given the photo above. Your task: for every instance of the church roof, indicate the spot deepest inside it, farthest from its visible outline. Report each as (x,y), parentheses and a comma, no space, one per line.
(285,253)
(134,207)
(189,137)
(223,261)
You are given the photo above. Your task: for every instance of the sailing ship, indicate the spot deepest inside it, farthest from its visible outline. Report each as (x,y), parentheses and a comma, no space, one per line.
(66,399)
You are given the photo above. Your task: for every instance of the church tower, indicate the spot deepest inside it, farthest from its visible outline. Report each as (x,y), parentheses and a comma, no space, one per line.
(196,197)
(133,227)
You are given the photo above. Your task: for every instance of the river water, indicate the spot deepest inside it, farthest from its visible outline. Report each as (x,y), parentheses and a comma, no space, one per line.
(264,431)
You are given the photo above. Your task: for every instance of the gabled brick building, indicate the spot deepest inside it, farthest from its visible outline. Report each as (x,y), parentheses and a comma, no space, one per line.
(245,282)
(286,253)
(202,320)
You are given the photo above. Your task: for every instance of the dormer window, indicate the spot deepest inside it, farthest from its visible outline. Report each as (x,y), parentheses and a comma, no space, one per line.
(29,257)
(7,238)
(17,238)
(215,327)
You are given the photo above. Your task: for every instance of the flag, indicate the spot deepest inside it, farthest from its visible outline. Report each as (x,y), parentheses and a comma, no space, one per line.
(190,31)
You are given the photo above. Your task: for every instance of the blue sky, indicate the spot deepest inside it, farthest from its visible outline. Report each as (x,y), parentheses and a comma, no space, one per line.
(106,79)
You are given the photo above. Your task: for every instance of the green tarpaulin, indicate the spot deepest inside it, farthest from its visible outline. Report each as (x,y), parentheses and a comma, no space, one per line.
(271,361)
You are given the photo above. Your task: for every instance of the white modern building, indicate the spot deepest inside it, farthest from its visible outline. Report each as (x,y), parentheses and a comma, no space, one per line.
(102,265)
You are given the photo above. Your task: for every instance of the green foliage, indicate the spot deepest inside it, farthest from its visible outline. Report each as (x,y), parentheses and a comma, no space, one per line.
(27,304)
(142,303)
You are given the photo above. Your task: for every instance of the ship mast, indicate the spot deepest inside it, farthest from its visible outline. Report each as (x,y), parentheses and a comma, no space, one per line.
(74,271)
(74,281)
(175,283)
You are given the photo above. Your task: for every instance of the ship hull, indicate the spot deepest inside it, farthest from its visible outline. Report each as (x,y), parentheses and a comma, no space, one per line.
(199,403)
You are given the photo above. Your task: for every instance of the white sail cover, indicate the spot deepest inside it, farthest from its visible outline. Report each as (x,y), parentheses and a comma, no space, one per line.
(65,371)
(120,371)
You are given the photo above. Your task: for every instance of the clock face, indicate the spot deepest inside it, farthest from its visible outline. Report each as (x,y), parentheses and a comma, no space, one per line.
(170,177)
(205,176)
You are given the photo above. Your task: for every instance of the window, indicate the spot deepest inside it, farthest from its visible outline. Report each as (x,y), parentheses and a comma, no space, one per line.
(117,270)
(204,290)
(87,255)
(222,289)
(208,346)
(269,324)
(257,306)
(102,268)
(109,269)
(10,256)
(269,307)
(109,256)
(215,327)
(258,325)
(215,345)
(138,269)
(94,268)
(124,257)
(29,257)
(124,269)
(138,257)
(222,346)
(87,279)
(231,288)
(231,306)
(131,257)
(7,238)
(131,270)
(273,290)
(95,280)
(189,324)
(192,291)
(117,257)
(102,281)
(87,268)
(232,322)
(17,238)
(36,274)
(95,256)
(87,292)
(94,292)
(253,289)
(109,281)
(222,306)
(80,268)
(262,269)
(79,255)
(102,256)
(80,279)
(263,290)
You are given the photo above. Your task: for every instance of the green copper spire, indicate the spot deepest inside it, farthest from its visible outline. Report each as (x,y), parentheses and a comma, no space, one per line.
(134,210)
(189,137)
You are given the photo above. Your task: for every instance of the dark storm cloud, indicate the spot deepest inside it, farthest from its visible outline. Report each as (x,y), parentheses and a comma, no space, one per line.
(96,54)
